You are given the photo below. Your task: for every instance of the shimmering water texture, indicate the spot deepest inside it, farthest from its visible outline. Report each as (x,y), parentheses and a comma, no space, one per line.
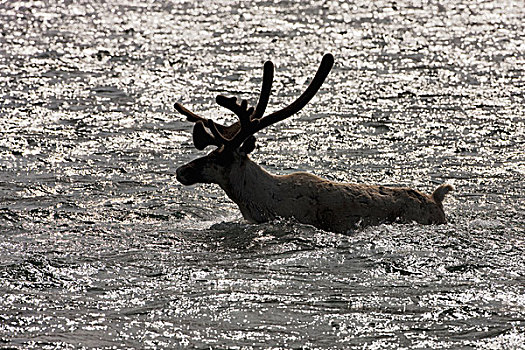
(101,247)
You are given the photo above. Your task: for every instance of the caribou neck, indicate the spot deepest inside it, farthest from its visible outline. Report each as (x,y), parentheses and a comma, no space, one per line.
(253,189)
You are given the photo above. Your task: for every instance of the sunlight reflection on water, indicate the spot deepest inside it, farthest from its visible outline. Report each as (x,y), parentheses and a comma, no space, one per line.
(103,248)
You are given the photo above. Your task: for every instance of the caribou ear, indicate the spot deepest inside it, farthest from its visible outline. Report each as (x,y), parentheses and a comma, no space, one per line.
(201,138)
(248,145)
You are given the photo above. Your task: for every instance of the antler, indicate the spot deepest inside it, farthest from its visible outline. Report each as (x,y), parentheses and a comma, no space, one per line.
(247,116)
(256,122)
(252,120)
(201,138)
(231,103)
(222,134)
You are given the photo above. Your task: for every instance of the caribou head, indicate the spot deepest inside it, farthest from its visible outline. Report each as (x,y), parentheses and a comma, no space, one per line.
(236,141)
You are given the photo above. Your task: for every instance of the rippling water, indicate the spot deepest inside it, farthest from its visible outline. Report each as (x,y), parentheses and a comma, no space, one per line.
(102,248)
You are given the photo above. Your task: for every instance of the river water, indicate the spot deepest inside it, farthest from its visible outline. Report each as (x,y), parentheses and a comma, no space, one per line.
(102,248)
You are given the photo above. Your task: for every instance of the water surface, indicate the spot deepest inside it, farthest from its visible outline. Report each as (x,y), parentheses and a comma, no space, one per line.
(102,248)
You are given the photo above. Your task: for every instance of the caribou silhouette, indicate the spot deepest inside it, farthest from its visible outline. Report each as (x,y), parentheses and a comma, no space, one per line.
(261,196)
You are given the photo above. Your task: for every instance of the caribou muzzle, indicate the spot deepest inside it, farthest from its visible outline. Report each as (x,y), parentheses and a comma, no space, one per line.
(187,175)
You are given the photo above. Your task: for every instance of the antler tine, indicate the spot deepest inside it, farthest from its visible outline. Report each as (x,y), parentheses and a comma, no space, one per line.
(240,110)
(192,117)
(322,72)
(202,138)
(218,137)
(266,89)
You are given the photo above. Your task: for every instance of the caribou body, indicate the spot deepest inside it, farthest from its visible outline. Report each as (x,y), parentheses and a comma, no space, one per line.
(261,196)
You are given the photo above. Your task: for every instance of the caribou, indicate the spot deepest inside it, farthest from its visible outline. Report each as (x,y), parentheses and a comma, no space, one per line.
(306,198)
